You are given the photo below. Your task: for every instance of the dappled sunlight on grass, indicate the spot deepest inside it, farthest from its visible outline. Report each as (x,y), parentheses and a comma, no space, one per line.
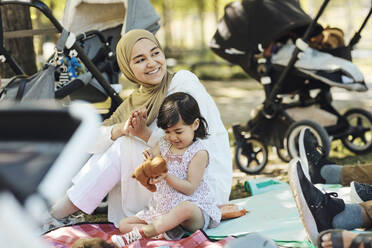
(238,191)
(341,155)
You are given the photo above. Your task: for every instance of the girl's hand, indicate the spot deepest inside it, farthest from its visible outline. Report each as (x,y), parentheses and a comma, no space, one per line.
(147,154)
(158,179)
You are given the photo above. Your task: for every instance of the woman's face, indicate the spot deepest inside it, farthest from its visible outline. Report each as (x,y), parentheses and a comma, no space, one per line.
(148,62)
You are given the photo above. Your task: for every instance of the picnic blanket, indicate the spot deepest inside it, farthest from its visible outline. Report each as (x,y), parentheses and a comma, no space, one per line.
(272,213)
(64,237)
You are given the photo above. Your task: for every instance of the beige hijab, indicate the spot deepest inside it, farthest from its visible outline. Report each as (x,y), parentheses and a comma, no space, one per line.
(146,96)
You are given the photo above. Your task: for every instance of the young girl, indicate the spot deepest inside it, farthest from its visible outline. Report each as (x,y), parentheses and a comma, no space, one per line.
(183,198)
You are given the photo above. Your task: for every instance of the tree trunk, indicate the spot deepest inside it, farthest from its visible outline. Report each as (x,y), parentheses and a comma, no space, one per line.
(216,16)
(166,12)
(16,17)
(201,10)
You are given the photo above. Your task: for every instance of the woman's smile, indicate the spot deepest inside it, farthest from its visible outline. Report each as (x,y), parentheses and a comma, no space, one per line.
(154,71)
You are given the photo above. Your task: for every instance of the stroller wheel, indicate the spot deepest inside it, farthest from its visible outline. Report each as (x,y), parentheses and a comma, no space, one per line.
(251,156)
(318,131)
(283,154)
(359,135)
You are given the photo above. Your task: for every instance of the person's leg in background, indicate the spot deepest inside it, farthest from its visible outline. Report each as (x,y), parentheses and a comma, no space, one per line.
(337,238)
(321,211)
(321,170)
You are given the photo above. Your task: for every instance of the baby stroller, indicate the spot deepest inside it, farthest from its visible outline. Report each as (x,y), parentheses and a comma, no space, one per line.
(263,37)
(90,42)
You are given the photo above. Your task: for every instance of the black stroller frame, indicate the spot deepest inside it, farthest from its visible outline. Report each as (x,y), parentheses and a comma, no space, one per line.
(272,125)
(115,98)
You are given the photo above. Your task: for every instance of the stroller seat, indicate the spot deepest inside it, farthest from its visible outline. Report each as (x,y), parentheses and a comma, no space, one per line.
(322,66)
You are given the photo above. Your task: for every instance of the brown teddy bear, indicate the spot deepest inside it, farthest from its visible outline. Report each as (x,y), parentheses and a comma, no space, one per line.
(150,168)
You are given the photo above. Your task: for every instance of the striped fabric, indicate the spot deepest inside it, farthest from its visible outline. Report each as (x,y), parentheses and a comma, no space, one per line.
(64,237)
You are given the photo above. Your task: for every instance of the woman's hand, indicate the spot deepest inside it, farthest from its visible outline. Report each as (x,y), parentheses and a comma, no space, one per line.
(138,125)
(135,126)
(158,179)
(138,122)
(120,129)
(127,127)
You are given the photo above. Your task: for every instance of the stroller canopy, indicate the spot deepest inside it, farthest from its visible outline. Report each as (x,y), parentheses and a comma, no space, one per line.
(248,23)
(86,15)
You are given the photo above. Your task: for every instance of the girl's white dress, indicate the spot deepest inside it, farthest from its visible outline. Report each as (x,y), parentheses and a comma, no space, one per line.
(166,197)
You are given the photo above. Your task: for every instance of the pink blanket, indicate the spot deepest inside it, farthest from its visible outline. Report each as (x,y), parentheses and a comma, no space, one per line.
(64,237)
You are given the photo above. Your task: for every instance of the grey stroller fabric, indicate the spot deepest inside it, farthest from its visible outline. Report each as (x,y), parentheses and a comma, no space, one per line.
(312,62)
(141,14)
(84,15)
(39,86)
(255,240)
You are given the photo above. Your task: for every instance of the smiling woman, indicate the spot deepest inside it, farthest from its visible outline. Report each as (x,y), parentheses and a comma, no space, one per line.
(132,129)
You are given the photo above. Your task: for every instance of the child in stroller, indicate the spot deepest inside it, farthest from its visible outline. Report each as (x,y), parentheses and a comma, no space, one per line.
(263,38)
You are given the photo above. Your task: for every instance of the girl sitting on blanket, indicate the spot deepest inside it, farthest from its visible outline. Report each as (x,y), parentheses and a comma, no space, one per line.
(183,199)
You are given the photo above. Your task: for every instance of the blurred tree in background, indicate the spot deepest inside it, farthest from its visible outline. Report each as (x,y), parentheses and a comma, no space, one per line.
(15,17)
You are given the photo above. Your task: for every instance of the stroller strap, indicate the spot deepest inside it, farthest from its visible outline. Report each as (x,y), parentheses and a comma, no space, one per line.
(66,39)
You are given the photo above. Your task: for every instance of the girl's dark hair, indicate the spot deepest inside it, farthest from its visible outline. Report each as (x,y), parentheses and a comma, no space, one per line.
(184,106)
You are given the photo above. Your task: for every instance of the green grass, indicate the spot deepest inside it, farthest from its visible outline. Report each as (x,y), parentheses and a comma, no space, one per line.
(238,191)
(95,217)
(342,156)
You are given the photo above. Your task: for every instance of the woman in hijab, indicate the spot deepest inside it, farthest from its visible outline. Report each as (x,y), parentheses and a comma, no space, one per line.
(132,128)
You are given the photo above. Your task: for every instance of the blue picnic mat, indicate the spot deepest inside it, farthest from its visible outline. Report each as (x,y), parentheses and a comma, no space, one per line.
(272,213)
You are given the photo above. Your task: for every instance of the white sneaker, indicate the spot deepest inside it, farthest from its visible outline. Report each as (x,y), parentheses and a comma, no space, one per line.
(126,239)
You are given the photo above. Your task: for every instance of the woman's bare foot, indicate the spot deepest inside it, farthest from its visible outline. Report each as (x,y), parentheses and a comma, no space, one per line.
(347,238)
